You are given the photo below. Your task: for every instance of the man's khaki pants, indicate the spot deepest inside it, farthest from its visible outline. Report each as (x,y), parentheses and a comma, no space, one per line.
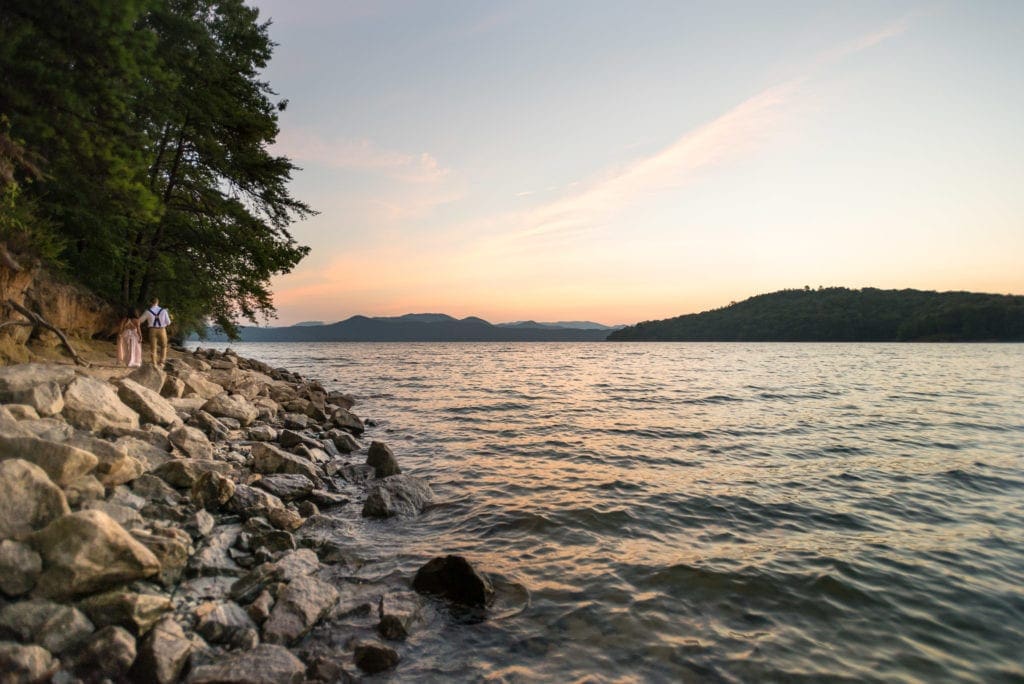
(158,335)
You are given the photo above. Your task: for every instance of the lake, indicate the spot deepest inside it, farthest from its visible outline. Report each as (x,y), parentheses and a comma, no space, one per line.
(704,512)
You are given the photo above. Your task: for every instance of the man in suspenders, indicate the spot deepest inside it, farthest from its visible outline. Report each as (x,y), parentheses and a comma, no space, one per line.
(157,319)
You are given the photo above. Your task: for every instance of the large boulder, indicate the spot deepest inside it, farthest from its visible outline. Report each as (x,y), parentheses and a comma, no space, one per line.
(151,407)
(62,463)
(46,398)
(454,578)
(86,552)
(299,606)
(91,404)
(265,664)
(28,499)
(149,376)
(269,459)
(25,663)
(162,653)
(382,459)
(192,442)
(114,466)
(397,495)
(24,376)
(232,406)
(20,567)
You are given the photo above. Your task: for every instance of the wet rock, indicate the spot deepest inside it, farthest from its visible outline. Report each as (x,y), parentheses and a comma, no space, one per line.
(152,488)
(28,499)
(62,463)
(232,406)
(192,442)
(348,421)
(151,407)
(262,433)
(87,552)
(345,401)
(162,653)
(289,567)
(149,376)
(109,653)
(223,622)
(93,405)
(183,472)
(373,657)
(321,497)
(382,459)
(25,664)
(20,567)
(114,465)
(397,495)
(172,547)
(250,501)
(268,459)
(215,429)
(285,486)
(211,490)
(298,607)
(128,609)
(265,664)
(324,668)
(398,612)
(454,578)
(84,489)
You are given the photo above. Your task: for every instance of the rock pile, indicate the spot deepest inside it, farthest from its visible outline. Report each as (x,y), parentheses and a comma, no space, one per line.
(183,526)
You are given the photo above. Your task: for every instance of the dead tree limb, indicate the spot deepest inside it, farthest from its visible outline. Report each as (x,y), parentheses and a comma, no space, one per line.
(7,260)
(7,323)
(38,320)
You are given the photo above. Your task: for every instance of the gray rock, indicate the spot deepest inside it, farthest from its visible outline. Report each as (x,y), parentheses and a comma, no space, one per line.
(191,441)
(23,619)
(268,459)
(265,664)
(209,424)
(62,463)
(398,611)
(149,376)
(172,547)
(151,455)
(286,487)
(262,433)
(289,567)
(298,607)
(162,653)
(373,657)
(66,629)
(109,653)
(25,664)
(223,622)
(151,407)
(295,421)
(28,499)
(46,399)
(86,552)
(454,578)
(183,472)
(125,516)
(93,405)
(52,429)
(20,567)
(211,490)
(24,376)
(273,540)
(382,459)
(200,524)
(152,488)
(213,558)
(397,495)
(232,406)
(289,438)
(250,501)
(357,473)
(114,465)
(348,421)
(128,609)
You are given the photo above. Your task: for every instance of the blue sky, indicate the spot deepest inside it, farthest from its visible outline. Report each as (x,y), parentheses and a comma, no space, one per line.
(627,161)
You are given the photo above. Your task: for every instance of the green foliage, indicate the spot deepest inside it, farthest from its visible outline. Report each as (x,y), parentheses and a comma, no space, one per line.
(838,314)
(155,126)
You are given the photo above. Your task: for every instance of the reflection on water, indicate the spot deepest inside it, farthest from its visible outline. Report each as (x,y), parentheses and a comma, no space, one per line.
(706,512)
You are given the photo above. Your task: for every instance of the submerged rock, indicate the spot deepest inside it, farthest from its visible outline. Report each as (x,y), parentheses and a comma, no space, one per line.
(453,578)
(397,495)
(373,657)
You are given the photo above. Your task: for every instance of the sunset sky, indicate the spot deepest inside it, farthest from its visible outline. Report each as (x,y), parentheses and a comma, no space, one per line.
(623,161)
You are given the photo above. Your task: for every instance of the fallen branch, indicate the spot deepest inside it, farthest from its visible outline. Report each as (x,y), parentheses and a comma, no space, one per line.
(7,260)
(38,320)
(7,323)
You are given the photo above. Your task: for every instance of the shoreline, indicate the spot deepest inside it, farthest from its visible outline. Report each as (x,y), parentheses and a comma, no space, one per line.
(186,526)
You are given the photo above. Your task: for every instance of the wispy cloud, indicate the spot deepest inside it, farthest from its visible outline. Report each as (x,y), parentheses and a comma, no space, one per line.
(361,155)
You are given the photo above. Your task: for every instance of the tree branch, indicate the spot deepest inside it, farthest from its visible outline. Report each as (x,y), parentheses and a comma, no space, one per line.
(37,320)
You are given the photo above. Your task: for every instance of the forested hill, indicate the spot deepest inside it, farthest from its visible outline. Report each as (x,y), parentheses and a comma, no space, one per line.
(838,314)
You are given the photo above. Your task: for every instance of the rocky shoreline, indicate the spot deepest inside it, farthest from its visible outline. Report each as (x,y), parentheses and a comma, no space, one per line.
(182,524)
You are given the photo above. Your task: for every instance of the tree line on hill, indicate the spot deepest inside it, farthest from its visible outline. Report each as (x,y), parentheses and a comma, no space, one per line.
(134,141)
(838,314)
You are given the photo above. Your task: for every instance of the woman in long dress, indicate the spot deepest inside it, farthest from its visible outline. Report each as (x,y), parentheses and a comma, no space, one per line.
(129,341)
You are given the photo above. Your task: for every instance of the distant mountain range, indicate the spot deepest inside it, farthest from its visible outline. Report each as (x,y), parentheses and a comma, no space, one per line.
(839,314)
(428,327)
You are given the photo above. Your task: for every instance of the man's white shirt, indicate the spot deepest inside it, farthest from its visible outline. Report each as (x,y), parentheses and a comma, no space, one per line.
(160,319)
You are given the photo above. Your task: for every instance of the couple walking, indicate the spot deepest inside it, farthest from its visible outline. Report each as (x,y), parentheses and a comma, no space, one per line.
(129,339)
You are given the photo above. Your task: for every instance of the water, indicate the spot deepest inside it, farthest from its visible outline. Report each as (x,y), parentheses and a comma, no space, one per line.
(705,512)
